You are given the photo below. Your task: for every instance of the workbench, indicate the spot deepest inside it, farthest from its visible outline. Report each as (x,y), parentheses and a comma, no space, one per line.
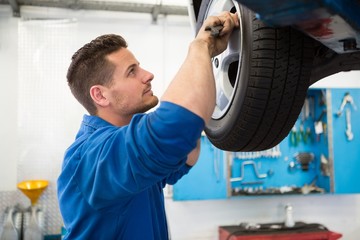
(272,231)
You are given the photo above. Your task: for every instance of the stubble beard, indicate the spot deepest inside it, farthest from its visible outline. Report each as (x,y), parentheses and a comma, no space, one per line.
(147,106)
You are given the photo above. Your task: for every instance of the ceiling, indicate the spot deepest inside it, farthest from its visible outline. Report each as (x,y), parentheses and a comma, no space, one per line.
(154,7)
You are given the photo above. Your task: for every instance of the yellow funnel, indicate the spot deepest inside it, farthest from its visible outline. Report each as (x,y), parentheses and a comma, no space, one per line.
(33,189)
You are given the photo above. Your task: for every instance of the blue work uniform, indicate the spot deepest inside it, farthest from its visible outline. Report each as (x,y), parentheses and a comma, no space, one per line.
(112,177)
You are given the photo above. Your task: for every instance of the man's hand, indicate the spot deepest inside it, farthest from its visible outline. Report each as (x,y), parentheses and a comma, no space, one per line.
(224,23)
(194,85)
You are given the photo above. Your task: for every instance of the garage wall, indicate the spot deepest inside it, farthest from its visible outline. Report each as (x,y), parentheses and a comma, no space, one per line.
(41,116)
(8,99)
(160,48)
(340,80)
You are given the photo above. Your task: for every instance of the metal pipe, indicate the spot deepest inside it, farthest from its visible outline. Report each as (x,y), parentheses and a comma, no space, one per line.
(100,5)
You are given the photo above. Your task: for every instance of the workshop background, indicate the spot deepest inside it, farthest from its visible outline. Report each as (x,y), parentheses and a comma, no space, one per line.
(40,117)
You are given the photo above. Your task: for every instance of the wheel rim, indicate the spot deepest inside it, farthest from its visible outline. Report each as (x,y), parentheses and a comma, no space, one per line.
(226,66)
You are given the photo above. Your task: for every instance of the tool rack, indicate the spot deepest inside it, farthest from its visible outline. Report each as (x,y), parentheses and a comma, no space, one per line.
(317,157)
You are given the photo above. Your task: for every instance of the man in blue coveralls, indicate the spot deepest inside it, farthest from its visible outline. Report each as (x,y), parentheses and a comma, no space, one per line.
(113,174)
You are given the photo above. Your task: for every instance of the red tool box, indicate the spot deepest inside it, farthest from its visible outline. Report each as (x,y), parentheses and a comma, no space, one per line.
(277,231)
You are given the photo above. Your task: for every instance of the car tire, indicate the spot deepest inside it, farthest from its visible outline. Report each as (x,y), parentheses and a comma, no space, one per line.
(270,79)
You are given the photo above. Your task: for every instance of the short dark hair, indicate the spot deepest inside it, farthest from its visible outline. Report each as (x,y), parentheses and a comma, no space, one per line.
(89,67)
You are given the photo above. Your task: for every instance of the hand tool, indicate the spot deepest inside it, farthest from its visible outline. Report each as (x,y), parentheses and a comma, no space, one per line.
(348,132)
(306,135)
(319,126)
(215,30)
(347,99)
(294,136)
(257,174)
(324,165)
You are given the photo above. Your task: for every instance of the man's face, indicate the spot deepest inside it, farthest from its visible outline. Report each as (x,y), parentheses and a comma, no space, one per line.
(130,90)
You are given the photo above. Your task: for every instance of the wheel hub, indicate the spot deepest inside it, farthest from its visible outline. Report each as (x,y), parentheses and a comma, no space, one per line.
(226,65)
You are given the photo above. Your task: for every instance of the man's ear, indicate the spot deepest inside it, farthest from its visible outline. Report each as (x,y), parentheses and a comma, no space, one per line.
(97,94)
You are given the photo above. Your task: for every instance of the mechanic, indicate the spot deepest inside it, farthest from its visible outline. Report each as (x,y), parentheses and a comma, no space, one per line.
(113,174)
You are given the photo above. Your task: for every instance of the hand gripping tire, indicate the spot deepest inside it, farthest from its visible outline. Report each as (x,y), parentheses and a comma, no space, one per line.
(261,81)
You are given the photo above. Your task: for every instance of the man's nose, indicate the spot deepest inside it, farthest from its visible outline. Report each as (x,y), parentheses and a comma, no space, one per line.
(148,76)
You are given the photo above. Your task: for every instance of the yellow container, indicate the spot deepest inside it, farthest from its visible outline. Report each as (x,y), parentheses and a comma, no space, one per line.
(33,189)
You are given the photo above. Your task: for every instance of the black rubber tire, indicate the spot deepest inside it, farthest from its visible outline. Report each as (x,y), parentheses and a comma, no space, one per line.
(273,81)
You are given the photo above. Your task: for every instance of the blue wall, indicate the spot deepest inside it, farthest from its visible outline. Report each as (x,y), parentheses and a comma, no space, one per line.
(209,178)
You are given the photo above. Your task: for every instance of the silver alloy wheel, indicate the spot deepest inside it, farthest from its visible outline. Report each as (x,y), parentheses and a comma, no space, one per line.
(226,66)
(261,80)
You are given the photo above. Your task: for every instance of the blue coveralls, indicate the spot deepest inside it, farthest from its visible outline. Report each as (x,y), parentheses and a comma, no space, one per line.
(112,177)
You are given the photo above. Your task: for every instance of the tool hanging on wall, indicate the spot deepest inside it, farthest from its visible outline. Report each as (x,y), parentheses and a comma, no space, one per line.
(304,133)
(324,165)
(306,136)
(322,98)
(295,136)
(305,110)
(243,164)
(274,152)
(348,131)
(319,125)
(347,100)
